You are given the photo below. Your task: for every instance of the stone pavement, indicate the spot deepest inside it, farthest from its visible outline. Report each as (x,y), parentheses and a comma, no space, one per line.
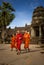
(34,57)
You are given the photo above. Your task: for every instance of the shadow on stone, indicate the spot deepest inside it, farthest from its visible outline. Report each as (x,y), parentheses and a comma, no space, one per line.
(42,49)
(42,46)
(2,49)
(5,64)
(23,51)
(42,52)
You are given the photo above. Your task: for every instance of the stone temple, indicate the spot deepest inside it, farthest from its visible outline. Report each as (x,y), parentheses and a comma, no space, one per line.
(37,25)
(36,28)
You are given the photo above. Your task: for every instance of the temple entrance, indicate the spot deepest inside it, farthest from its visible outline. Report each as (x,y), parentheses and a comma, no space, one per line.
(36,31)
(42,31)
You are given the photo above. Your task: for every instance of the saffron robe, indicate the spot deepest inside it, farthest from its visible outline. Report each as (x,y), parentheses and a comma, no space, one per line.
(19,40)
(26,38)
(13,42)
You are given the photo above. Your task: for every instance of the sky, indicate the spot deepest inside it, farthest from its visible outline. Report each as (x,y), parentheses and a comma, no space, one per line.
(24,11)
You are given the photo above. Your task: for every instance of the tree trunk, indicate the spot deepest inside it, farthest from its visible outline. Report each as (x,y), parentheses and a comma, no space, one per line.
(3,34)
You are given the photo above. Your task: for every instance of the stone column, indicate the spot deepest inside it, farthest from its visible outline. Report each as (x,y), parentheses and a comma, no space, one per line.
(40,34)
(39,31)
(32,32)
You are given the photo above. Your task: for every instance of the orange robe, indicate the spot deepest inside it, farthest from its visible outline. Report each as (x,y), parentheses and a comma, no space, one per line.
(19,40)
(13,42)
(26,40)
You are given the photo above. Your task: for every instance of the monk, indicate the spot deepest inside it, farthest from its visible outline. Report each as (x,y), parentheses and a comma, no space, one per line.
(13,42)
(19,41)
(26,38)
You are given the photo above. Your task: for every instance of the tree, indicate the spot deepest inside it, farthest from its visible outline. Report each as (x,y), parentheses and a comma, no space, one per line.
(6,15)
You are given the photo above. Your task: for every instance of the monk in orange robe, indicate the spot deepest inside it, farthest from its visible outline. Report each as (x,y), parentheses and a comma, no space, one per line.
(26,40)
(19,41)
(13,42)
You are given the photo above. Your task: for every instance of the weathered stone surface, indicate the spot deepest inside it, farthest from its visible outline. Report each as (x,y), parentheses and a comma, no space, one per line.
(34,57)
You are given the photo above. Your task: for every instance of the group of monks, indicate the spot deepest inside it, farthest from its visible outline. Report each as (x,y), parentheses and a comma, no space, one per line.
(18,39)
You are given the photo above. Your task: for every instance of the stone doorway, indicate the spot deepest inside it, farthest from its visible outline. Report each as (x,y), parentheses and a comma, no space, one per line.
(36,28)
(42,31)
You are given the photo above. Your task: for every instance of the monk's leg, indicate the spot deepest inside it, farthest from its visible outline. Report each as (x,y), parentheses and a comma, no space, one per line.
(15,46)
(12,46)
(25,46)
(28,47)
(18,48)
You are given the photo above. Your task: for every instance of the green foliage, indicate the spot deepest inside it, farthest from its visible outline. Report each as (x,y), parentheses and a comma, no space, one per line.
(6,14)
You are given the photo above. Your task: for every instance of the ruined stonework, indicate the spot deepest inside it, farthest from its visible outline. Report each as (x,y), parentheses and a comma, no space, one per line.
(37,26)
